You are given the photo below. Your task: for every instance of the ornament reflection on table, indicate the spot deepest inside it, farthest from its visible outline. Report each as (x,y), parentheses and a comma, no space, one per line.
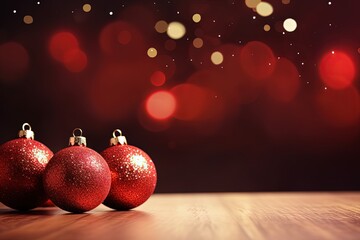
(22,164)
(133,174)
(77,179)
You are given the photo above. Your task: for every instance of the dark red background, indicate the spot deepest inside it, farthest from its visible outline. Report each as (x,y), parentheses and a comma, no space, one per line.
(261,145)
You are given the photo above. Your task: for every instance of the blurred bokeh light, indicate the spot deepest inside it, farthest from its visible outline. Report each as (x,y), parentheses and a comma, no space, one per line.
(161,105)
(14,61)
(337,70)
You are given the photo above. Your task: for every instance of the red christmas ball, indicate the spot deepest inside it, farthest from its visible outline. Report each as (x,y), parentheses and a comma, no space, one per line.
(133,176)
(77,179)
(22,164)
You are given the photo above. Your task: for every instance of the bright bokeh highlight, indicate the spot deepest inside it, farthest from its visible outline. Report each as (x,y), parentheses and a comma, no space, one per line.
(161,105)
(196,17)
(267,27)
(176,30)
(264,9)
(290,25)
(86,7)
(152,52)
(217,58)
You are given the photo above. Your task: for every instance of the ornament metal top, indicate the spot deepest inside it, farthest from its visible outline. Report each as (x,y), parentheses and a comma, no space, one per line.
(118,139)
(78,140)
(26,132)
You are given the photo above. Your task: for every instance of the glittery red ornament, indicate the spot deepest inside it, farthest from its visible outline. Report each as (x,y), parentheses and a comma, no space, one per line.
(77,179)
(22,164)
(133,174)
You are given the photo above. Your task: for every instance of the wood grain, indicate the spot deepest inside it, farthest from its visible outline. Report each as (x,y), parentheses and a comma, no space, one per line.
(199,216)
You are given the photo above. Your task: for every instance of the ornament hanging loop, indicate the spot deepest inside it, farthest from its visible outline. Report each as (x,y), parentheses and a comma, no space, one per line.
(26,126)
(118,138)
(117,131)
(78,140)
(79,130)
(26,132)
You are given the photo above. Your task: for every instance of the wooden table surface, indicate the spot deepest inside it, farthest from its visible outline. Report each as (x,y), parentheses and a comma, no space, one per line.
(199,216)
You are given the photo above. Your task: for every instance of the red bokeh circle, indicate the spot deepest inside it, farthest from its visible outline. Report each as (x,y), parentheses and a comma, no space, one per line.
(257,60)
(61,43)
(75,60)
(337,70)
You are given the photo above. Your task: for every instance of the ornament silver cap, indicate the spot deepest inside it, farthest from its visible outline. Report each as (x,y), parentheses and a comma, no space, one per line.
(26,132)
(118,138)
(78,140)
